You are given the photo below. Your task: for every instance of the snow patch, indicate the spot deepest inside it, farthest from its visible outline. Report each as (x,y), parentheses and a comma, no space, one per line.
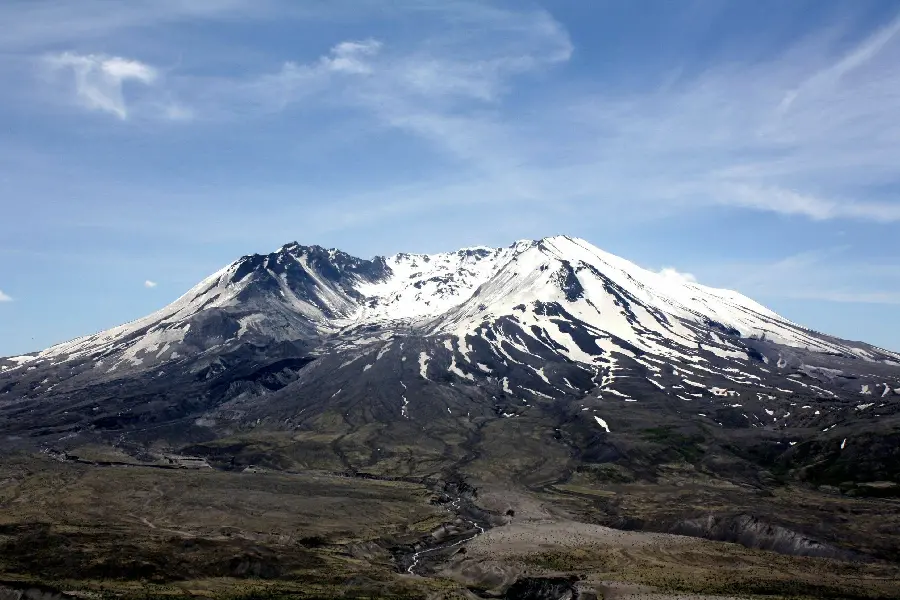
(383,351)
(602,423)
(656,383)
(717,391)
(423,365)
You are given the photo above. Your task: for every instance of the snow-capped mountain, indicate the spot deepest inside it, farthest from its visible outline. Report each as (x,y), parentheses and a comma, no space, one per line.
(303,330)
(300,292)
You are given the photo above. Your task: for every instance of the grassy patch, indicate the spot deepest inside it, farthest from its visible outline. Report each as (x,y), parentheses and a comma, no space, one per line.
(689,446)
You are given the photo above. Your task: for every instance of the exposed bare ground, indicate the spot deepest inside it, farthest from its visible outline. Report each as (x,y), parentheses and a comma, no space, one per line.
(532,537)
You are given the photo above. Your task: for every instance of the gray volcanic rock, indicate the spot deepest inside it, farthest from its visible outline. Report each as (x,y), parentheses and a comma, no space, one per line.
(753,532)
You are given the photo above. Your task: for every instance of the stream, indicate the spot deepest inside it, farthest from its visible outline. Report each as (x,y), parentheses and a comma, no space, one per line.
(455,509)
(416,555)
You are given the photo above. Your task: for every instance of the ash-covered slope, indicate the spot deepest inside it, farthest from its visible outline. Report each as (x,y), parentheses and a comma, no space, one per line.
(308,338)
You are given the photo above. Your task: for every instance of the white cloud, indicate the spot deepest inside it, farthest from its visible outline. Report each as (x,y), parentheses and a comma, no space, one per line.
(436,89)
(100,80)
(349,57)
(150,284)
(320,81)
(450,90)
(4,297)
(676,276)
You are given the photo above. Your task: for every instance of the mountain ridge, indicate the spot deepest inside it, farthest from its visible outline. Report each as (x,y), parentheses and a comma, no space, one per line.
(453,283)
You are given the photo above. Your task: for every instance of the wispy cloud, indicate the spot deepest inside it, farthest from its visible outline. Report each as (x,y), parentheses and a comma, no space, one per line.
(789,202)
(724,137)
(746,135)
(350,57)
(4,297)
(450,90)
(828,274)
(458,70)
(36,24)
(677,276)
(832,74)
(150,284)
(99,80)
(809,132)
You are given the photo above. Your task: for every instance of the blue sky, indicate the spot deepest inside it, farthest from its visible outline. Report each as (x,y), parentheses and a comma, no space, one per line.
(147,143)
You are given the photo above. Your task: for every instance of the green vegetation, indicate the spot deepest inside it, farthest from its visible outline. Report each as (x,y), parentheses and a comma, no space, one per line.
(690,447)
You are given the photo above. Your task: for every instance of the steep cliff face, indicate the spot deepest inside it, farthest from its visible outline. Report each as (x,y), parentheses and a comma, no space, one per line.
(753,532)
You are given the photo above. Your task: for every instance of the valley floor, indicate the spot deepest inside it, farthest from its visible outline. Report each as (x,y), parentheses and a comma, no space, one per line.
(146,530)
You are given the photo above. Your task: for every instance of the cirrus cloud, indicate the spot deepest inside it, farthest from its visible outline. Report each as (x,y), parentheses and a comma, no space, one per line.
(99,80)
